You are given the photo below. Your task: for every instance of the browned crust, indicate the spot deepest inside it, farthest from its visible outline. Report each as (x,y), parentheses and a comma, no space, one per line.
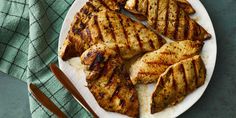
(108,81)
(170,18)
(103,27)
(177,82)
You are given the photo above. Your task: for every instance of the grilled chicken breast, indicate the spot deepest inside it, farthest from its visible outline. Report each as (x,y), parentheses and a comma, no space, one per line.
(177,82)
(169,19)
(93,6)
(111,27)
(140,7)
(151,65)
(108,82)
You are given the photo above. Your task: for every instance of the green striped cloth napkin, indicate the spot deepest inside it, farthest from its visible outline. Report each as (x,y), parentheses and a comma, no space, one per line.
(29,31)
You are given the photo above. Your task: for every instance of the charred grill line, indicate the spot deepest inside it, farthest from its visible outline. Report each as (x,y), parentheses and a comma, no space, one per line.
(138,38)
(84,10)
(136,5)
(160,42)
(124,31)
(111,27)
(161,82)
(91,5)
(167,17)
(122,103)
(176,23)
(192,33)
(155,23)
(184,78)
(147,9)
(173,79)
(186,27)
(115,92)
(195,72)
(89,35)
(157,63)
(104,4)
(151,44)
(111,77)
(99,30)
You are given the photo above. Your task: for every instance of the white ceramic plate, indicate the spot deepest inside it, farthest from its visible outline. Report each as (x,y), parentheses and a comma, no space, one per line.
(75,72)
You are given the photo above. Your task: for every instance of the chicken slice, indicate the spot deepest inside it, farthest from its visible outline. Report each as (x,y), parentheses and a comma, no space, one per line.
(111,27)
(140,7)
(177,82)
(108,81)
(168,18)
(151,65)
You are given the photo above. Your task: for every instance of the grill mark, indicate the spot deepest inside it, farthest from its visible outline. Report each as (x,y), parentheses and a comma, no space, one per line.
(91,5)
(136,5)
(147,9)
(122,103)
(184,78)
(161,82)
(106,65)
(167,17)
(124,31)
(151,44)
(186,26)
(111,77)
(176,23)
(173,79)
(111,27)
(195,72)
(115,1)
(193,32)
(138,38)
(104,4)
(89,36)
(116,91)
(118,50)
(99,73)
(84,10)
(157,63)
(155,24)
(168,53)
(160,40)
(82,35)
(132,98)
(99,30)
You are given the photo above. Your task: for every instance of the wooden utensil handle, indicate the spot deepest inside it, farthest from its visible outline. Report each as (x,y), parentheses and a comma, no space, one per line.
(45,101)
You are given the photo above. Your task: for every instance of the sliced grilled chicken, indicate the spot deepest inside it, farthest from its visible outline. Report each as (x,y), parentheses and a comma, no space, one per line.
(151,65)
(108,82)
(111,27)
(177,82)
(169,19)
(140,7)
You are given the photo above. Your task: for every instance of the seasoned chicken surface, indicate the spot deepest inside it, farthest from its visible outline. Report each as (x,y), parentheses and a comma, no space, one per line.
(80,21)
(140,7)
(177,82)
(93,6)
(169,19)
(186,6)
(111,27)
(151,65)
(108,81)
